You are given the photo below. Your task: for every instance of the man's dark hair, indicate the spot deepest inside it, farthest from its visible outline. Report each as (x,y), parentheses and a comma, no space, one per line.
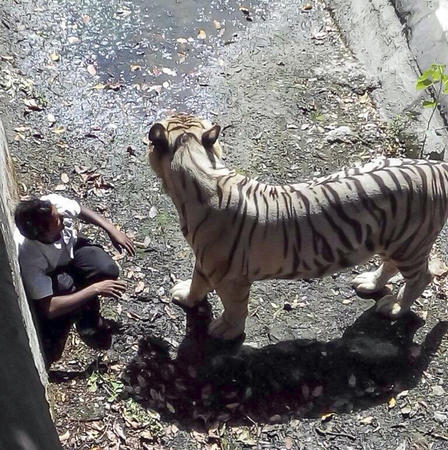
(32,217)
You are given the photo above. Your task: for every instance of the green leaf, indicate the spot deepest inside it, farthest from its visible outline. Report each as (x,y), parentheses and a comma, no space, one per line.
(428,104)
(423,84)
(445,86)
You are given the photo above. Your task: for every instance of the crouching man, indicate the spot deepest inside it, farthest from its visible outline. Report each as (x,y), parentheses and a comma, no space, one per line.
(64,273)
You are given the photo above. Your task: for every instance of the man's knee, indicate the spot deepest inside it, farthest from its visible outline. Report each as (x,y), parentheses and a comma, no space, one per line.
(108,269)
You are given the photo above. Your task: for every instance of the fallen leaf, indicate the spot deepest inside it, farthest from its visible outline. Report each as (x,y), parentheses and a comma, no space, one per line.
(54,57)
(58,130)
(91,69)
(367,420)
(217,24)
(201,34)
(438,267)
(64,178)
(169,71)
(181,40)
(135,67)
(60,187)
(307,7)
(391,403)
(65,436)
(51,119)
(244,10)
(139,288)
(73,40)
(32,104)
(152,212)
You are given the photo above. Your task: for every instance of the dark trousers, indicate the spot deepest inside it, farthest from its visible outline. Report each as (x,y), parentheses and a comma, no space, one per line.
(89,265)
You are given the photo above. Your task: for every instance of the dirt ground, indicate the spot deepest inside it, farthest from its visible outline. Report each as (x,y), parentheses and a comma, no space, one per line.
(317,368)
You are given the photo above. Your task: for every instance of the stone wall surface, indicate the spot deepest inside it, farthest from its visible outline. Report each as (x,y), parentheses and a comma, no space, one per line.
(378,39)
(426,25)
(24,415)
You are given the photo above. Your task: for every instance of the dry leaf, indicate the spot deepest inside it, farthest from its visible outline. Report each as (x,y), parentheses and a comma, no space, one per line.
(391,403)
(217,24)
(65,436)
(152,212)
(99,86)
(91,69)
(367,420)
(58,130)
(182,40)
(438,267)
(139,288)
(135,67)
(64,178)
(60,187)
(51,118)
(54,57)
(32,104)
(244,10)
(169,71)
(201,34)
(307,7)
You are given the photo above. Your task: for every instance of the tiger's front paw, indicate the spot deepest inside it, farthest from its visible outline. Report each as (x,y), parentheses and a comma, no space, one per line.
(389,307)
(220,328)
(366,283)
(180,294)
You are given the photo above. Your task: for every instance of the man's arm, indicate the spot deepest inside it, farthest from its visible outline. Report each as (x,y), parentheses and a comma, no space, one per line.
(58,305)
(118,238)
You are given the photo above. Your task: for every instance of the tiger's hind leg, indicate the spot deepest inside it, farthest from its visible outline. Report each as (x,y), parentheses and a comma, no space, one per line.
(234,297)
(190,292)
(417,276)
(370,282)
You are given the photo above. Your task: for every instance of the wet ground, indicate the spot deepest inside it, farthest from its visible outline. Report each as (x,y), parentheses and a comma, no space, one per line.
(82,82)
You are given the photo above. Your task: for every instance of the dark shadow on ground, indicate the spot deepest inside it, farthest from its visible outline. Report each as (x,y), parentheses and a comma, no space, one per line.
(211,382)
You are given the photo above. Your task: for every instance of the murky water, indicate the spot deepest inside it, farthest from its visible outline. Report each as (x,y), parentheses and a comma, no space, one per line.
(159,42)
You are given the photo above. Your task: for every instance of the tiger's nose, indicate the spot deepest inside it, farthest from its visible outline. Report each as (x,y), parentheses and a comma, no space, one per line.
(184,138)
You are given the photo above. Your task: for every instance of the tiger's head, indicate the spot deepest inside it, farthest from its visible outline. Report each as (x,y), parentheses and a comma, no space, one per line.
(178,140)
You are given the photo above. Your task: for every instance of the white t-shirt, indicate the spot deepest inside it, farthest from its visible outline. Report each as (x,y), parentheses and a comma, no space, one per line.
(38,260)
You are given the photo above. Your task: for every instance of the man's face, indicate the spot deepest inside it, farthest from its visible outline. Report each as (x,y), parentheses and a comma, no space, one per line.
(53,228)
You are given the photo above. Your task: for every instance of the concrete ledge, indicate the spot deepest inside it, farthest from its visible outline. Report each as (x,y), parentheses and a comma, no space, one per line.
(375,35)
(426,25)
(24,415)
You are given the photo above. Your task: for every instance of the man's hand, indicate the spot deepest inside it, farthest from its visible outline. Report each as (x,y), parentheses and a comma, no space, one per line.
(118,238)
(109,288)
(121,240)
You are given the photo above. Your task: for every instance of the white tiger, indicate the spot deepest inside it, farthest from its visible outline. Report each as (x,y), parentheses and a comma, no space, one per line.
(242,230)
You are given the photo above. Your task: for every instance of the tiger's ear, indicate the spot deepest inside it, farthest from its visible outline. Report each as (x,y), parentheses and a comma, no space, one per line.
(157,135)
(211,136)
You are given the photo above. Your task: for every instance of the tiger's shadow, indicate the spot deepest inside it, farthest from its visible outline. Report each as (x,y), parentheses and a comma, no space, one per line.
(210,382)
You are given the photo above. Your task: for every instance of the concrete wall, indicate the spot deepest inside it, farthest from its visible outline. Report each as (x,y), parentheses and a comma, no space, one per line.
(25,421)
(377,38)
(426,25)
